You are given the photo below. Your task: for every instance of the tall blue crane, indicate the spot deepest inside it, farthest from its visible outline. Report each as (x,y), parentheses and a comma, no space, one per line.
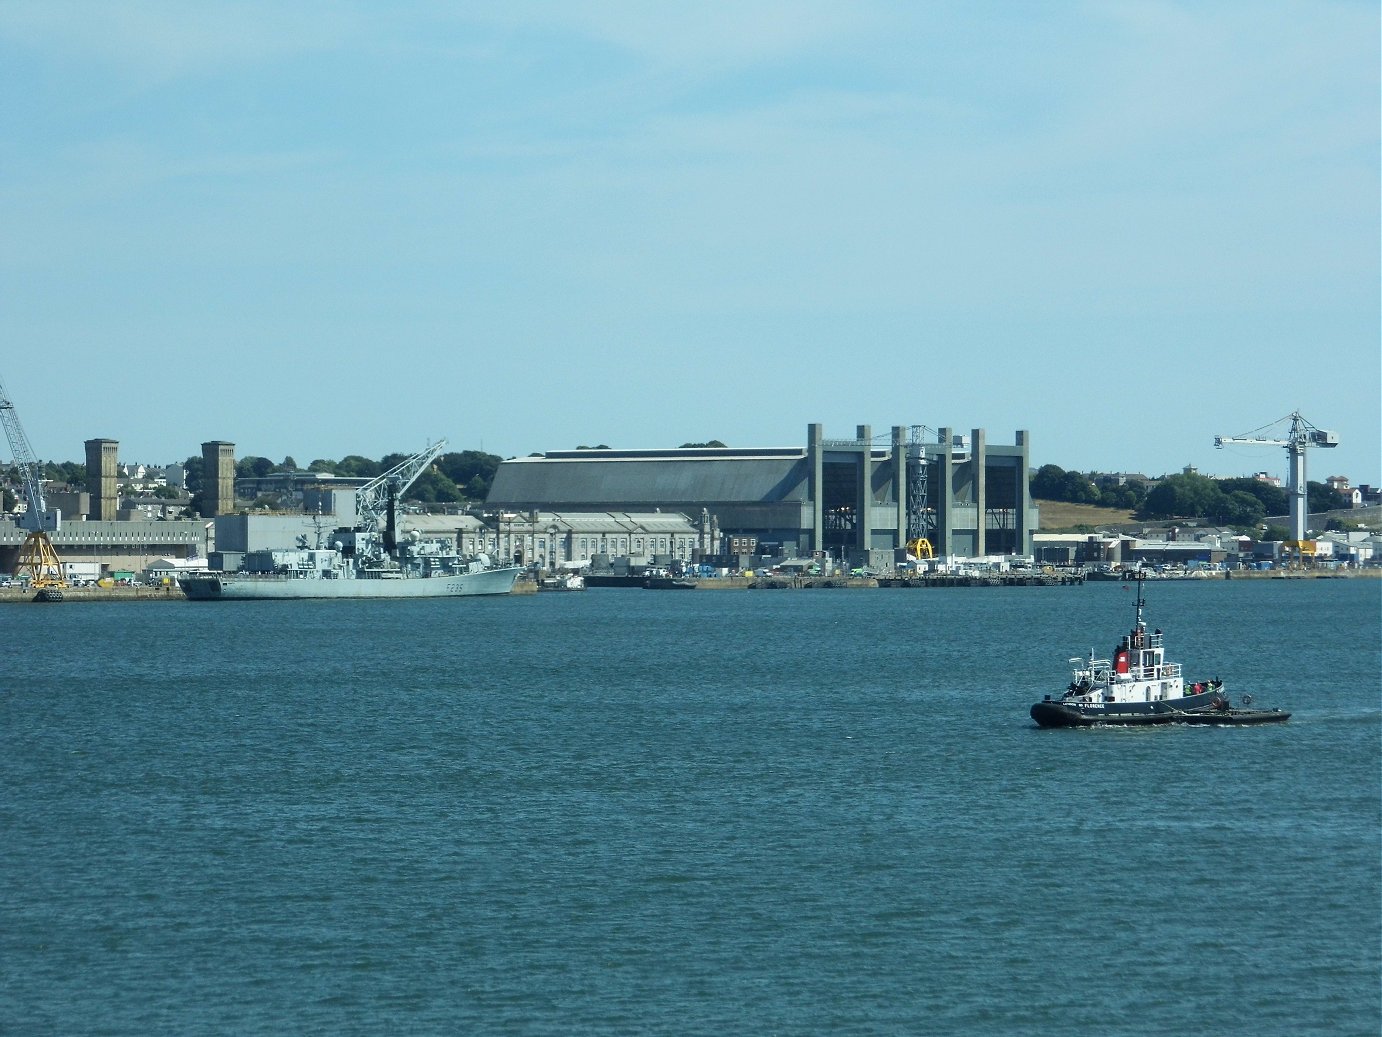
(37,558)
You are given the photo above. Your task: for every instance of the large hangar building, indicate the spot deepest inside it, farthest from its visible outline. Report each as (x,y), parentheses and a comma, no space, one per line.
(849,497)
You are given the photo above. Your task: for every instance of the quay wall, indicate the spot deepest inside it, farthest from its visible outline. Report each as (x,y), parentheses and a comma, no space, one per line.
(522,587)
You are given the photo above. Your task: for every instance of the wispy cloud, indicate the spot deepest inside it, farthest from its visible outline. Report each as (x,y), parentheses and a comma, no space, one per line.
(155,40)
(763,178)
(707,36)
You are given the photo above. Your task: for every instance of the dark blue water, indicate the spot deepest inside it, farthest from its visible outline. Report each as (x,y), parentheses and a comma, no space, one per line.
(793,812)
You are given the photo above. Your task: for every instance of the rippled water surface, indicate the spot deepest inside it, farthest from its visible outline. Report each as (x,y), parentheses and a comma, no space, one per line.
(623,811)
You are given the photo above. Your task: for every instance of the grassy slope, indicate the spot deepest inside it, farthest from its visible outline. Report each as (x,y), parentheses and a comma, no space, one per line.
(1057,516)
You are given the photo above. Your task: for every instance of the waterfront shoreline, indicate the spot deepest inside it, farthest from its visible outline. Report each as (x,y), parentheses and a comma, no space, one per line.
(15,595)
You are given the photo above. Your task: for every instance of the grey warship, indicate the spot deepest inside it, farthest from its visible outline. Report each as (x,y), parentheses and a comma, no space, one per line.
(367,561)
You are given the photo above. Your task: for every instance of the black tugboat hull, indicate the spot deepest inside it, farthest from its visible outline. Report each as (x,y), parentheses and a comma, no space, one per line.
(1061,714)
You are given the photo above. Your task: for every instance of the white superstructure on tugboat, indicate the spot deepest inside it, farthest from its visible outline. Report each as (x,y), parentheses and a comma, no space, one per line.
(363,562)
(1138,686)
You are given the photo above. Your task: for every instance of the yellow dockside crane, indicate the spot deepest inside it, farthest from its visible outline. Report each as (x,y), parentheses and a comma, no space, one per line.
(37,558)
(920,548)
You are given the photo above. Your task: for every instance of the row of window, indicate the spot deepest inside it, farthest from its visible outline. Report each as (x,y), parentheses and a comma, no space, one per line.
(64,537)
(584,547)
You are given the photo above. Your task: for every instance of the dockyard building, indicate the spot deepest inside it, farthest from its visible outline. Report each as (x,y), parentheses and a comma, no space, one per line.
(854,498)
(542,539)
(557,540)
(108,545)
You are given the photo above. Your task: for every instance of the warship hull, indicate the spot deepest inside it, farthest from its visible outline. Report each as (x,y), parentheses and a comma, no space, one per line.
(271,586)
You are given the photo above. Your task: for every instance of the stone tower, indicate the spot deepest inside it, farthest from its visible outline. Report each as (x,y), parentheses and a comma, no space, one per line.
(218,479)
(103,478)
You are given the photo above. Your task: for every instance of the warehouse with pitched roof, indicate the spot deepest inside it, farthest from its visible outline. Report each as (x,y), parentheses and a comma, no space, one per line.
(848,497)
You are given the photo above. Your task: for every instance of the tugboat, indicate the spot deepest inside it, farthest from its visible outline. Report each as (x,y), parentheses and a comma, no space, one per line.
(1139,687)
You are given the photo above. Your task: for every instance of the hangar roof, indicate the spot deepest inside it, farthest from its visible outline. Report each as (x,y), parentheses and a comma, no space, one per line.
(692,477)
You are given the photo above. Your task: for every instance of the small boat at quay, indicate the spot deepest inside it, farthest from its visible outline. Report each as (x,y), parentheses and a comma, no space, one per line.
(1140,687)
(668,583)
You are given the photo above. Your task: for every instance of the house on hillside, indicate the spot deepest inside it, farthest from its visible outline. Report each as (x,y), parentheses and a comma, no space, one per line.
(1339,484)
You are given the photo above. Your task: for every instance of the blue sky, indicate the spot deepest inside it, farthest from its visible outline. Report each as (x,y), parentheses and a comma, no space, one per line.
(323,229)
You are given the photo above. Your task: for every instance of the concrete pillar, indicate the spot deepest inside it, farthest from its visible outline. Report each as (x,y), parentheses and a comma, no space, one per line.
(1023,495)
(863,496)
(945,494)
(815,434)
(978,462)
(900,488)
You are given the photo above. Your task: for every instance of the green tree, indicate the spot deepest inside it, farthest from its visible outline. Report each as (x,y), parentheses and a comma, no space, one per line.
(1048,482)
(194,470)
(1183,496)
(252,467)
(692,446)
(69,473)
(357,467)
(433,487)
(1241,509)
(1273,498)
(1323,497)
(467,466)
(1052,482)
(320,465)
(1078,489)
(1127,496)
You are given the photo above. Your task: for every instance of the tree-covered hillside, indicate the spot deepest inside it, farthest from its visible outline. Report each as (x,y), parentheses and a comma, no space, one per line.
(1241,502)
(460,477)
